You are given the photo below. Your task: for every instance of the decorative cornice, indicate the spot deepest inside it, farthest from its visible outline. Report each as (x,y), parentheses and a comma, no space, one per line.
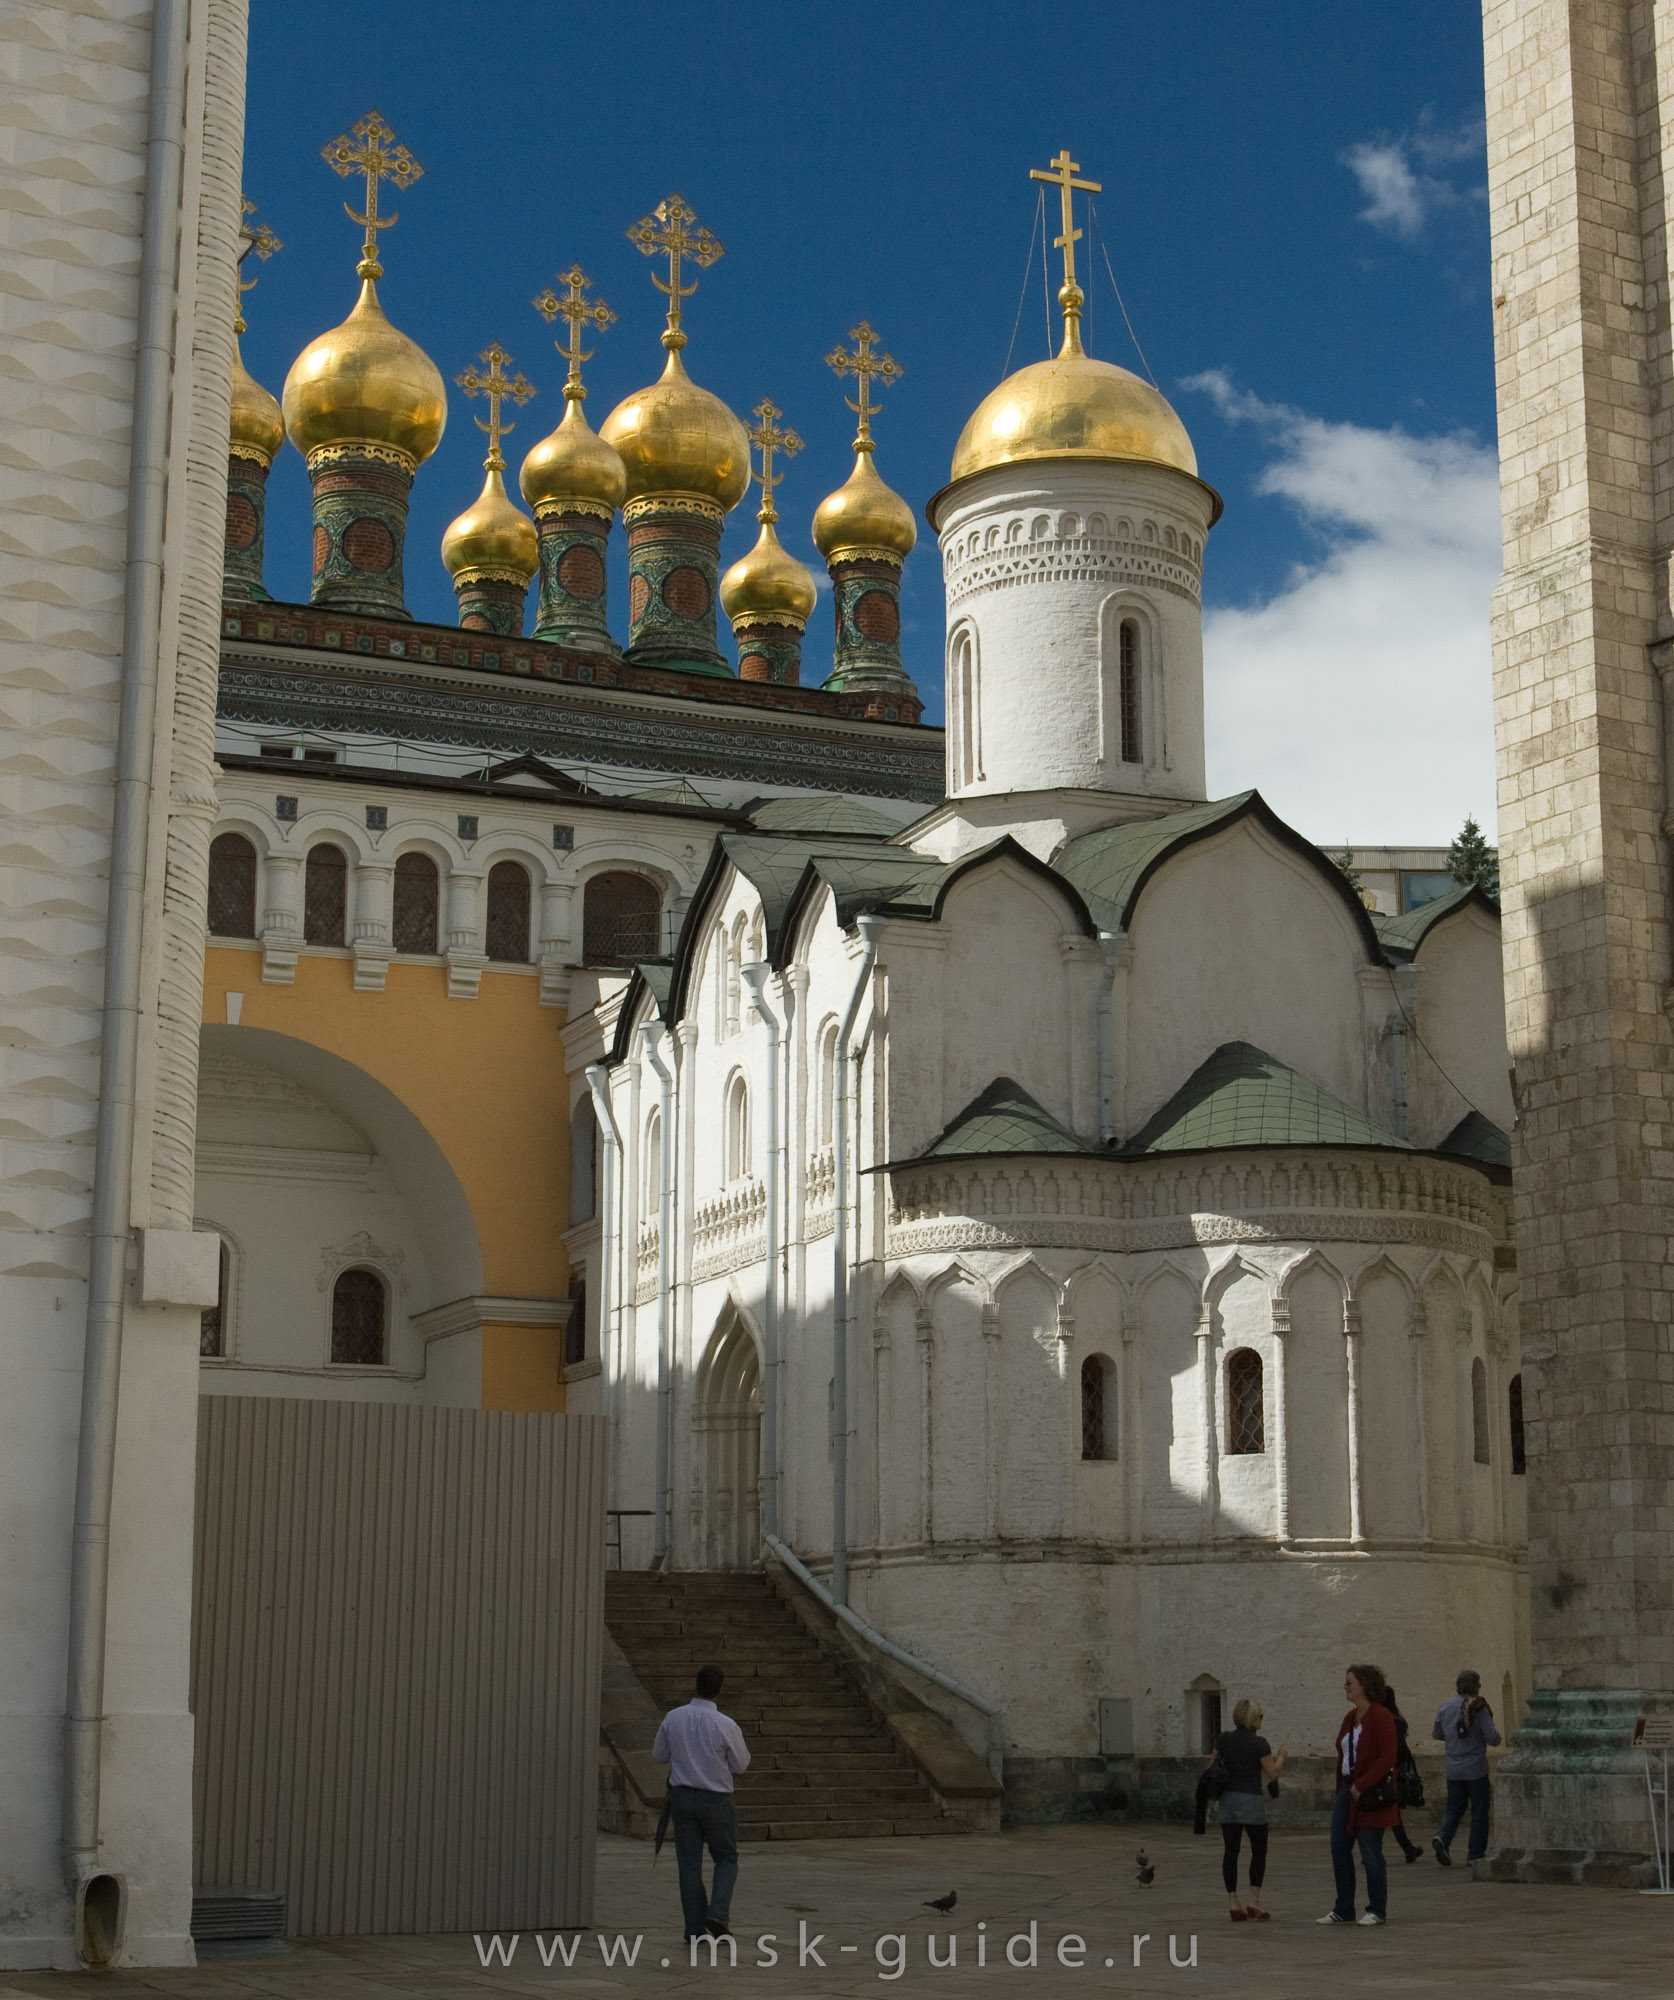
(380,454)
(650,504)
(556,507)
(471,1314)
(1078,559)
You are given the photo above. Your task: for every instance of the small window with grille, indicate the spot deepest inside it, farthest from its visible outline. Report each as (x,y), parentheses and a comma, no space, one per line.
(325,896)
(1245,1426)
(508,913)
(417,893)
(1128,670)
(232,886)
(1479,1412)
(1098,1407)
(1514,1399)
(620,918)
(575,1329)
(359,1318)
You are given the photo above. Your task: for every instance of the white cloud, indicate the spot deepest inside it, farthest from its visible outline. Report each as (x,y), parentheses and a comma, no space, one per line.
(1405,180)
(1356,694)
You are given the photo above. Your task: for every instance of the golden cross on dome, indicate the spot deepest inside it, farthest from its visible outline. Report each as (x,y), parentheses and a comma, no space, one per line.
(866,367)
(367,150)
(255,239)
(498,387)
(769,439)
(580,311)
(667,230)
(1061,173)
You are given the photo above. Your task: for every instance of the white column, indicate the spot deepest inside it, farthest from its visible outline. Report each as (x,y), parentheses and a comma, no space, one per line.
(374,910)
(993,1428)
(927,1441)
(558,945)
(1417,1326)
(1211,1438)
(465,954)
(1351,1360)
(1281,1419)
(281,918)
(1127,1425)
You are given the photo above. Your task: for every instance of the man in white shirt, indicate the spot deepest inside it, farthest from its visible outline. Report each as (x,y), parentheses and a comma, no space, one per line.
(704,1751)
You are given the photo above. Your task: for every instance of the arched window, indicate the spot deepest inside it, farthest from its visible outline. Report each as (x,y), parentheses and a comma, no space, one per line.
(738,1130)
(1246,1428)
(232,886)
(1098,1407)
(418,889)
(508,913)
(584,1162)
(325,896)
(651,1177)
(212,1325)
(964,742)
(826,1085)
(359,1318)
(620,914)
(1479,1412)
(1514,1401)
(1127,674)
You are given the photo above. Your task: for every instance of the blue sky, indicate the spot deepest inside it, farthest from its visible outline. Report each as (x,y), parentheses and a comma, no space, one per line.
(1292,205)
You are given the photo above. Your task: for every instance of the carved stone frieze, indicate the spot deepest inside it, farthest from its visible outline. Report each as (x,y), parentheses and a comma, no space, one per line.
(1076,560)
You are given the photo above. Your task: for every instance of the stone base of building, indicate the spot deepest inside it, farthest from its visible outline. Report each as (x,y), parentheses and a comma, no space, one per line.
(1570,1801)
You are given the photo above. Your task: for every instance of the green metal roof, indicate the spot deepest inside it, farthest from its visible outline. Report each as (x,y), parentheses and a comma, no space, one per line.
(1243,1097)
(1003,1119)
(820,812)
(1401,936)
(1480,1139)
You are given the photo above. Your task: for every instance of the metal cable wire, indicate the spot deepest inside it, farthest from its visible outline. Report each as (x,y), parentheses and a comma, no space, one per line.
(1093,216)
(1023,289)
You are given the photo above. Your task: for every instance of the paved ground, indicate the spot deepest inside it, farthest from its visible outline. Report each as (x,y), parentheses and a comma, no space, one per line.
(1447,1934)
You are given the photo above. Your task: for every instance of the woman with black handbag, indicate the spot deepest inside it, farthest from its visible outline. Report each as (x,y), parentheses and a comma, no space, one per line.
(1366,1797)
(1409,1785)
(1243,1759)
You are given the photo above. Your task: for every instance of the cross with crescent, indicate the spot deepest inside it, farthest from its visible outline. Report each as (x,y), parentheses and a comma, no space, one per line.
(1061,173)
(367,150)
(768,439)
(255,239)
(580,311)
(497,386)
(667,229)
(866,367)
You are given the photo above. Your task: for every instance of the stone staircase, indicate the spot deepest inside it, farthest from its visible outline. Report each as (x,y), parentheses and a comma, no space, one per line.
(823,1764)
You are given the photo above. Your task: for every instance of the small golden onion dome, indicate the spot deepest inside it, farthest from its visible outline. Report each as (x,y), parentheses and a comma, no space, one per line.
(769,583)
(1073,407)
(677,438)
(258,429)
(864,513)
(493,535)
(365,382)
(574,463)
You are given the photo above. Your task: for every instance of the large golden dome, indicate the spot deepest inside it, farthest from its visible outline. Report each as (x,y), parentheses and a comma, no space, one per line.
(257,429)
(864,513)
(1073,407)
(769,583)
(365,382)
(493,537)
(574,463)
(674,437)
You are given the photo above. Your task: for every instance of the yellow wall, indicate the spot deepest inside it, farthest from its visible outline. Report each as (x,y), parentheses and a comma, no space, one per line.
(485,1078)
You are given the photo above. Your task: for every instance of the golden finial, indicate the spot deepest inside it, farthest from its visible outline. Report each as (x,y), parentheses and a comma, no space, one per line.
(1061,173)
(580,311)
(866,367)
(497,386)
(769,440)
(667,230)
(256,239)
(378,160)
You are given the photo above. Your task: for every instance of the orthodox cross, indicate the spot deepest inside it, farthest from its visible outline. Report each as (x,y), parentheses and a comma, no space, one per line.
(580,311)
(1061,173)
(866,367)
(255,239)
(667,229)
(367,150)
(497,386)
(769,439)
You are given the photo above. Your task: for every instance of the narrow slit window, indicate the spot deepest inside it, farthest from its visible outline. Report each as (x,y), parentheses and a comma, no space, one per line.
(1128,690)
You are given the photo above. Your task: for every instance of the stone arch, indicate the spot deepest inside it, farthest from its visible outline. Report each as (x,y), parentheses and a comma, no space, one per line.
(426,837)
(1168,1307)
(898,1483)
(1081,1291)
(1385,1300)
(263,832)
(1031,1403)
(726,1422)
(327,823)
(1140,712)
(1310,1260)
(1315,1293)
(512,846)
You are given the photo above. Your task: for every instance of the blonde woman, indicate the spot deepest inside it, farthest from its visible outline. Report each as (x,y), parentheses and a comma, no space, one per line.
(1249,1761)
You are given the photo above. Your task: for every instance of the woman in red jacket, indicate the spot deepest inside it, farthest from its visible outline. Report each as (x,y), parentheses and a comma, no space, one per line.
(1366,1801)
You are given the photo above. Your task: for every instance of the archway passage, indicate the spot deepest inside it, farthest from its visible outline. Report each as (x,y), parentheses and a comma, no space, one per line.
(727,1424)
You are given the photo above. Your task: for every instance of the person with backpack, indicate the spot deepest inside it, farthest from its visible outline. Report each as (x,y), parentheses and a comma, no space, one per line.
(1409,1786)
(1465,1726)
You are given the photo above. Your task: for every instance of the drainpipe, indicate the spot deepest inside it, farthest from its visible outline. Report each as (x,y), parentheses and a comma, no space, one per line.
(610,1263)
(840,1268)
(1110,944)
(100,1893)
(662,1544)
(755,978)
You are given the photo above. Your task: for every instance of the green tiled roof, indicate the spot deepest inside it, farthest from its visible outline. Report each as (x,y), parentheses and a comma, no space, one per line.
(822,812)
(1108,865)
(658,974)
(861,872)
(1401,936)
(1478,1138)
(1004,1119)
(1244,1097)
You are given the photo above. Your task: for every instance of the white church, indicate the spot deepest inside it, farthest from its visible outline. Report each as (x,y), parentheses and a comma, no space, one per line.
(1070,1221)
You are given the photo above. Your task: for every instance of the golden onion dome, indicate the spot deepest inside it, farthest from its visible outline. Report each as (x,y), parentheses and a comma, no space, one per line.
(257,429)
(574,463)
(864,513)
(365,382)
(674,437)
(1073,407)
(769,583)
(492,536)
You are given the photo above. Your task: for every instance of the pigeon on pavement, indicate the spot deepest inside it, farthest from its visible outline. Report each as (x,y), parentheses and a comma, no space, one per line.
(944,1902)
(1145,1868)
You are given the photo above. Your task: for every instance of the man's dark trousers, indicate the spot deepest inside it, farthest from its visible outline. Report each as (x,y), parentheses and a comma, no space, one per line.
(1474,1793)
(704,1819)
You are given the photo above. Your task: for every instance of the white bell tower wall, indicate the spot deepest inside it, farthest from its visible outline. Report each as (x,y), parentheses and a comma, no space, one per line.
(1075,630)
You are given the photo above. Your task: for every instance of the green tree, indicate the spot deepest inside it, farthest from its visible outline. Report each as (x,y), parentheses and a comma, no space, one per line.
(1345,862)
(1471,859)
